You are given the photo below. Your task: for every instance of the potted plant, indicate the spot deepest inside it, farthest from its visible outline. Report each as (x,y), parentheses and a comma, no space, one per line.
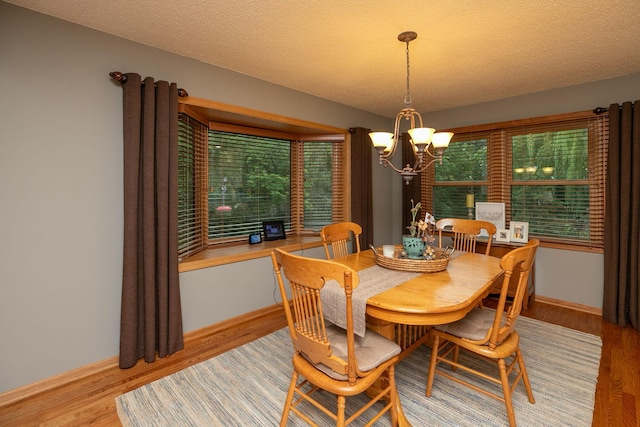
(418,244)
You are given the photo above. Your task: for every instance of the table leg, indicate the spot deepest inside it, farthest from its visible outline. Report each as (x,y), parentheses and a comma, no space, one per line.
(383,327)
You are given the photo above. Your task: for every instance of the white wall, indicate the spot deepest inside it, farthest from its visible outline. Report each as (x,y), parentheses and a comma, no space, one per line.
(61,190)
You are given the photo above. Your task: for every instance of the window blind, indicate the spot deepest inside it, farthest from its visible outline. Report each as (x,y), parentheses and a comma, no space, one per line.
(549,171)
(463,171)
(192,185)
(319,184)
(249,182)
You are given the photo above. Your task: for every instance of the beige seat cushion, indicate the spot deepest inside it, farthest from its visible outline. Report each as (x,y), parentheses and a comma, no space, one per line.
(371,350)
(474,325)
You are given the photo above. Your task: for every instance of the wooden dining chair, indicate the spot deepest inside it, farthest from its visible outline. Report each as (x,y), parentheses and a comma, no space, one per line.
(326,356)
(337,235)
(465,232)
(489,334)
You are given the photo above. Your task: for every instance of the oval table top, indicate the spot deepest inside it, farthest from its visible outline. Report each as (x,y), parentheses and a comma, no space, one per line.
(432,298)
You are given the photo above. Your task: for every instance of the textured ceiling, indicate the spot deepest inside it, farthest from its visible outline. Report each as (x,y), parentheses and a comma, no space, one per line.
(347,51)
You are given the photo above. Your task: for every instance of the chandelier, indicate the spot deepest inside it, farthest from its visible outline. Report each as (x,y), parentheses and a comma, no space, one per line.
(424,141)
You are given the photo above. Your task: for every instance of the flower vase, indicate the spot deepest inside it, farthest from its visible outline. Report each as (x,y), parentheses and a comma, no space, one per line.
(413,246)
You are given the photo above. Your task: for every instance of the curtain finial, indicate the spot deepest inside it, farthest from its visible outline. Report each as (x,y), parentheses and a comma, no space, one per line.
(118,76)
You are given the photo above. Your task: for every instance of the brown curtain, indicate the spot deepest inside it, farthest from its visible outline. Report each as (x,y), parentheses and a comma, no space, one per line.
(361,187)
(412,190)
(622,227)
(151,317)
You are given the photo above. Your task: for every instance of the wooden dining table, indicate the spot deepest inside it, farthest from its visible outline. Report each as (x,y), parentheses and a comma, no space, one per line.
(405,312)
(430,298)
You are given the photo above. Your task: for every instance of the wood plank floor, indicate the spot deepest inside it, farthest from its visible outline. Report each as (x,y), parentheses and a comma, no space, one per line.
(90,401)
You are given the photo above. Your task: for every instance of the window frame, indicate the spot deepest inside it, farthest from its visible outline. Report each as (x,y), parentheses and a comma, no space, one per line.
(227,118)
(499,166)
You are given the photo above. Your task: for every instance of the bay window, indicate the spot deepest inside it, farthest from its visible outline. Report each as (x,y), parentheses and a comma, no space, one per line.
(232,178)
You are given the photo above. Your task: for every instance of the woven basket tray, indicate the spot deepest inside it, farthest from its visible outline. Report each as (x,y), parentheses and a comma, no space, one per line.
(414,265)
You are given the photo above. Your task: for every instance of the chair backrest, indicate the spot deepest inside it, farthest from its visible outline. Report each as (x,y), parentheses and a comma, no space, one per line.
(337,235)
(307,276)
(465,232)
(518,261)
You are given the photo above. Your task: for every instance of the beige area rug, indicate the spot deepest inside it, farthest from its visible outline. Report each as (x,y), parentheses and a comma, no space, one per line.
(247,387)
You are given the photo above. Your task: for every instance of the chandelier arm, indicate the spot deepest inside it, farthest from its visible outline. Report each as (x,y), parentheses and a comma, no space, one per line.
(396,138)
(413,116)
(432,155)
(386,162)
(423,168)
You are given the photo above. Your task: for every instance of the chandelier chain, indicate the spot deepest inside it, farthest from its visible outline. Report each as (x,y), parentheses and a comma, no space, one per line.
(407,99)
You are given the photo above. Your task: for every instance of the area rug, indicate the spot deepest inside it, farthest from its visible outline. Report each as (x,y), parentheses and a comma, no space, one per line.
(247,387)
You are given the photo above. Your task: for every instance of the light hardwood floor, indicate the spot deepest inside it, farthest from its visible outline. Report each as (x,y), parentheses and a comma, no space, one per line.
(90,400)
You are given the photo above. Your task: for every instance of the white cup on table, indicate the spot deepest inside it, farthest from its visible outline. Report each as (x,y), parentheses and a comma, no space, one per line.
(388,250)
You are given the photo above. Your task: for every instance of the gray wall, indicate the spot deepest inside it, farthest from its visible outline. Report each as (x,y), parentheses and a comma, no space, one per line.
(576,277)
(61,190)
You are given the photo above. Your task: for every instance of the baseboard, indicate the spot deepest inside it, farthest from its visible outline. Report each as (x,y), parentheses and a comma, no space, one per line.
(65,378)
(216,328)
(567,304)
(47,384)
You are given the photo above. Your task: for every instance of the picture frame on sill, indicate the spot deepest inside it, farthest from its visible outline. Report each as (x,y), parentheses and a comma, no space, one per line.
(503,235)
(519,231)
(490,212)
(255,238)
(273,230)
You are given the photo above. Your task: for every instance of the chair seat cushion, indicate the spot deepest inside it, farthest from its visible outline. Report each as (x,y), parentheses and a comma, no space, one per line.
(474,325)
(371,350)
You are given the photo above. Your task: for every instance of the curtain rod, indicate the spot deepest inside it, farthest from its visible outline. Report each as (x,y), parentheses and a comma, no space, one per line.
(122,78)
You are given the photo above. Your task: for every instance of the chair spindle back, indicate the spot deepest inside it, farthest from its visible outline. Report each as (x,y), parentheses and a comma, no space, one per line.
(466,232)
(305,317)
(337,235)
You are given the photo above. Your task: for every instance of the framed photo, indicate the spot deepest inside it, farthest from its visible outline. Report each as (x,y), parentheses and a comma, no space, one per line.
(503,235)
(255,238)
(491,212)
(273,230)
(519,231)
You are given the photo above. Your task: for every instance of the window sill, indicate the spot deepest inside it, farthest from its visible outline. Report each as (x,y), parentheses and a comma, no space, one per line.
(243,252)
(544,243)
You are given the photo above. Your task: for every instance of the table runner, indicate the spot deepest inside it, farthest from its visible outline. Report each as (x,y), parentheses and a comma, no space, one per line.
(373,280)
